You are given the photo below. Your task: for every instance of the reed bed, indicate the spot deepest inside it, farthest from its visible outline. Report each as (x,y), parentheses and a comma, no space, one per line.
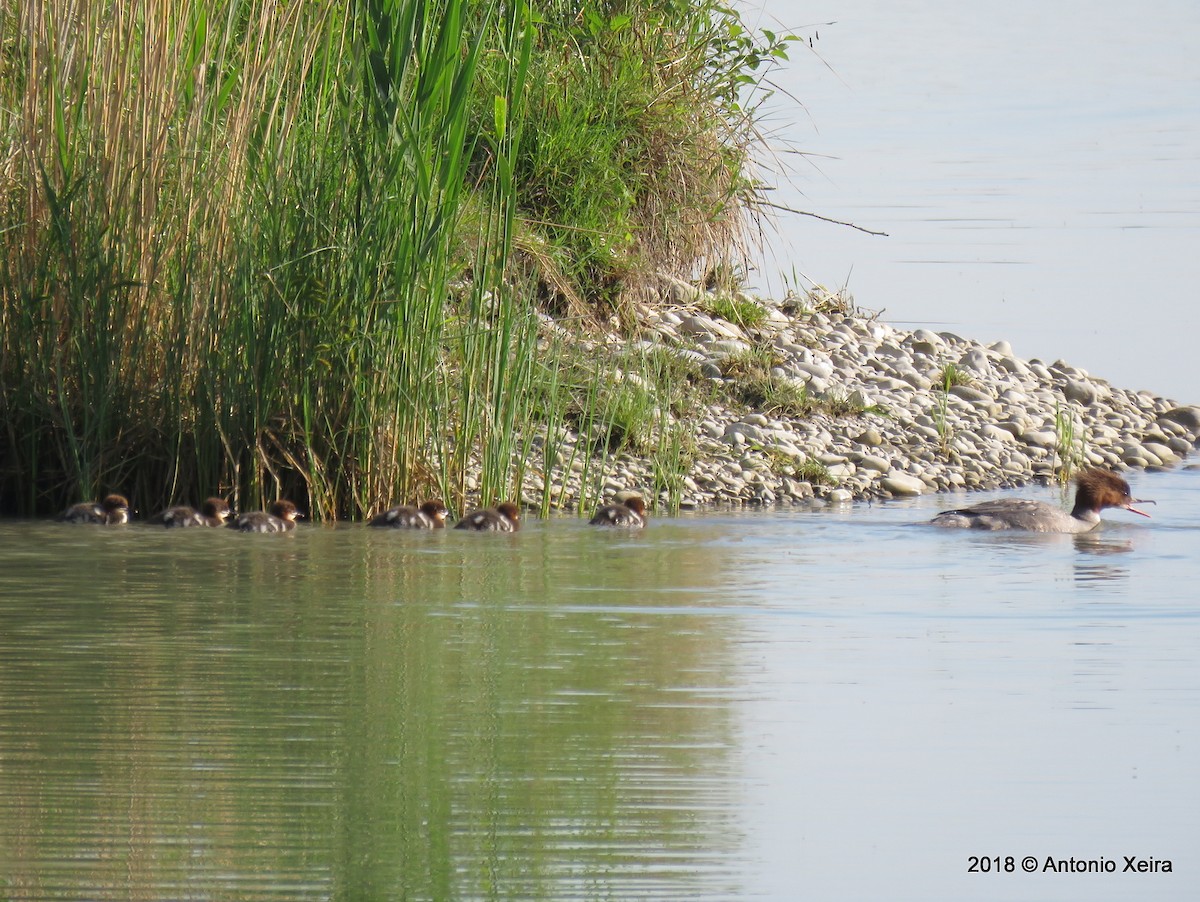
(263,249)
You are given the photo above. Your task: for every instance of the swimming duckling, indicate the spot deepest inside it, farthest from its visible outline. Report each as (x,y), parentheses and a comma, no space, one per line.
(213,512)
(281,518)
(504,517)
(111,510)
(430,515)
(629,512)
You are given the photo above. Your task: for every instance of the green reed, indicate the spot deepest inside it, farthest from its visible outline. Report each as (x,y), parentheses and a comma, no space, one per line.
(263,249)
(945,379)
(228,270)
(1070,447)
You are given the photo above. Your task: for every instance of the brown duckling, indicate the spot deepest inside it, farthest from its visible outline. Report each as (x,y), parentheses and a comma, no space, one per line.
(430,515)
(213,512)
(504,517)
(111,510)
(629,513)
(280,518)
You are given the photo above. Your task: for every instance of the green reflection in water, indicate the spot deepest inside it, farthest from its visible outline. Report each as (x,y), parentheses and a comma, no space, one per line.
(345,713)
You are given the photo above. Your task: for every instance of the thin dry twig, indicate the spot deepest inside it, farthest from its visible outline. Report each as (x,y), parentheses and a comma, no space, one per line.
(823,218)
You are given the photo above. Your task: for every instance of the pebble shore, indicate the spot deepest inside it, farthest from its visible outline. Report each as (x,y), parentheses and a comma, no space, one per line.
(1010,422)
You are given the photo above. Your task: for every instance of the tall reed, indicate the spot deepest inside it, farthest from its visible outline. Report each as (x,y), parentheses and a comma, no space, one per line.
(263,249)
(230,247)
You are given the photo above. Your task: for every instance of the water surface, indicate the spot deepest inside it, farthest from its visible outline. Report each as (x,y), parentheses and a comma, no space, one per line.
(1035,165)
(783,704)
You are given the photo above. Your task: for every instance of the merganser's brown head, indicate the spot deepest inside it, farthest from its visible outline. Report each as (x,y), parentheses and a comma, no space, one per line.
(1099,489)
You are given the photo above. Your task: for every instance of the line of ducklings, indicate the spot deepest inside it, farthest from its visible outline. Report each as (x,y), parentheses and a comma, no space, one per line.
(628,511)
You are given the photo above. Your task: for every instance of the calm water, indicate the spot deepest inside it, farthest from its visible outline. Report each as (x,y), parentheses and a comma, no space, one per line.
(782,705)
(1036,166)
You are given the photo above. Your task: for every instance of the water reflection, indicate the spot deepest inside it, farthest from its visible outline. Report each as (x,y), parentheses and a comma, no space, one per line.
(342,713)
(1101,574)
(1098,543)
(999,150)
(732,705)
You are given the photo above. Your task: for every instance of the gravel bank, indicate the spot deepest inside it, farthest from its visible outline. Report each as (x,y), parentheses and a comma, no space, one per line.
(1006,422)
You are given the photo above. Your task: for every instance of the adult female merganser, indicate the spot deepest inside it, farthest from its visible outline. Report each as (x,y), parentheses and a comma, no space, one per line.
(280,518)
(504,517)
(430,515)
(213,512)
(1096,490)
(111,510)
(629,512)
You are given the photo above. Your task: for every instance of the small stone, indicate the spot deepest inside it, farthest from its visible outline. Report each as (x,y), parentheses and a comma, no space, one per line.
(875,464)
(971,394)
(817,370)
(726,347)
(1134,455)
(871,438)
(902,484)
(976,360)
(680,292)
(801,490)
(1164,454)
(1180,445)
(860,399)
(698,325)
(1189,417)
(1079,391)
(1012,365)
(996,434)
(745,430)
(1039,439)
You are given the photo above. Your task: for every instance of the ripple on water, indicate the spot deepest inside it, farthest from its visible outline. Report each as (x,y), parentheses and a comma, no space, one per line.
(729,705)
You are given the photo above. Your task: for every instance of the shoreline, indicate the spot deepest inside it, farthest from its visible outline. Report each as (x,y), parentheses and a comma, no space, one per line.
(911,426)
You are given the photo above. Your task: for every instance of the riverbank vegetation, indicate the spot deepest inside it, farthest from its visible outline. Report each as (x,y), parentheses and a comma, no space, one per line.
(312,250)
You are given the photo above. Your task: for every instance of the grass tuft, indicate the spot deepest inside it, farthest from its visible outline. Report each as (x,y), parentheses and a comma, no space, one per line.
(741,311)
(1069,447)
(951,375)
